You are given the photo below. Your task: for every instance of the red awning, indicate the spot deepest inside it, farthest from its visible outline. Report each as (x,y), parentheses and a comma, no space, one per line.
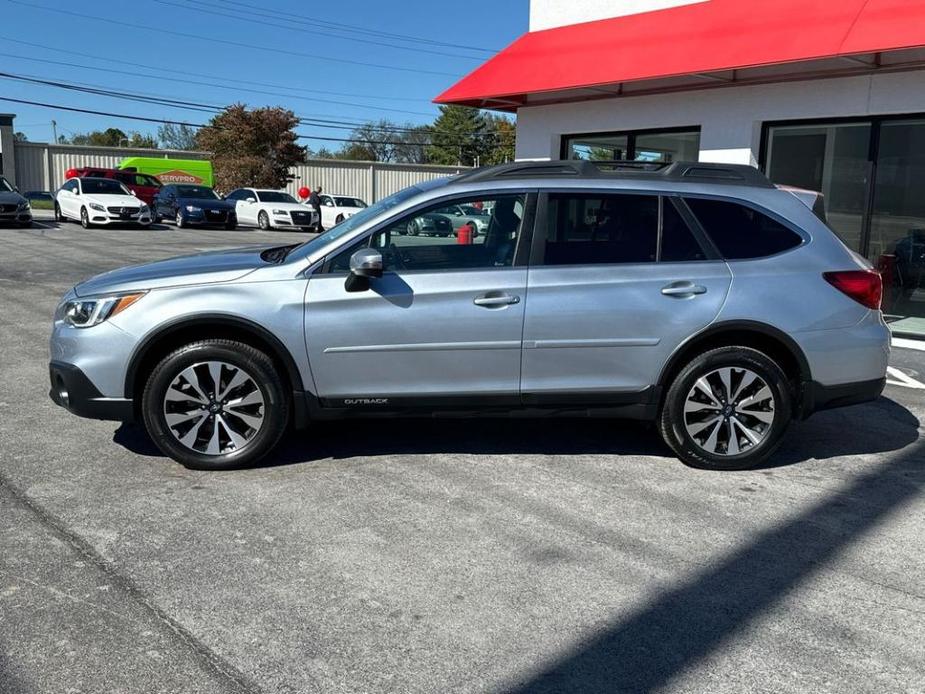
(699,39)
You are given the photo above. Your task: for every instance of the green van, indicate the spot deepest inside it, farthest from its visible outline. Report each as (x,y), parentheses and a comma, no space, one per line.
(189,171)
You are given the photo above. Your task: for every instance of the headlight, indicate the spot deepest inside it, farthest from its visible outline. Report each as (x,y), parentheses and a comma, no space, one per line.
(97,207)
(23,206)
(280,212)
(193,208)
(85,313)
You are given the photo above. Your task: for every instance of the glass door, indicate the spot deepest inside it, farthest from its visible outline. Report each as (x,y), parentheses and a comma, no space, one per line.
(897,230)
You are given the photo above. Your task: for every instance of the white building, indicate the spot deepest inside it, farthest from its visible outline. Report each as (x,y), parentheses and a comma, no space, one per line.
(822,94)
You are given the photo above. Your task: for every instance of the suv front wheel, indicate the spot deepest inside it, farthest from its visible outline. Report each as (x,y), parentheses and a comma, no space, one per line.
(215,405)
(727,410)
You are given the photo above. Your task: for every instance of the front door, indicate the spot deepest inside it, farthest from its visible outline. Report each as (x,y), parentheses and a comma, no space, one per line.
(617,282)
(443,325)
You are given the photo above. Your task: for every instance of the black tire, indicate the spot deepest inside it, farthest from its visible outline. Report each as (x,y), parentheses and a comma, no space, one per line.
(85,218)
(58,216)
(256,364)
(339,219)
(412,229)
(672,422)
(180,221)
(263,221)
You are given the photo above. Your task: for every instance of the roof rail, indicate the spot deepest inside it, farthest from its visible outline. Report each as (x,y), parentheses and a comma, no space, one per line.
(735,174)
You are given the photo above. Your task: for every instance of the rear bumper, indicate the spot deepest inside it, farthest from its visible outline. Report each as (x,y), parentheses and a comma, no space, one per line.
(817,397)
(72,390)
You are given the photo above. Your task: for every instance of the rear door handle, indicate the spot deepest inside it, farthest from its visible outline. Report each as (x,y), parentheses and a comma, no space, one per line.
(682,289)
(493,300)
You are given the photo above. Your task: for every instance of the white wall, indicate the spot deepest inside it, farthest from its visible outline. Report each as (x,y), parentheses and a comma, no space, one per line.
(546,14)
(730,118)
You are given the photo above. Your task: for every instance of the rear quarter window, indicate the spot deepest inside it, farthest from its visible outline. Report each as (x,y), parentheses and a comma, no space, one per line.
(740,232)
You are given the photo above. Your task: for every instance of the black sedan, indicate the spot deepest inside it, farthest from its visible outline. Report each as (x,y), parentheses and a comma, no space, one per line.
(189,205)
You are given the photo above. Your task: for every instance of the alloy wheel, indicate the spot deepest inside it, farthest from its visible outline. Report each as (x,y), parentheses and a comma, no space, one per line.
(729,411)
(214,408)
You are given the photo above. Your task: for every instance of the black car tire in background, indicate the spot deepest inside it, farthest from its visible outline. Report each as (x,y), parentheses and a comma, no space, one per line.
(85,218)
(180,221)
(58,216)
(263,221)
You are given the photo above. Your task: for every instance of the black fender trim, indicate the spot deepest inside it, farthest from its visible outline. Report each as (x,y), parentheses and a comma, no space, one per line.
(718,329)
(203,321)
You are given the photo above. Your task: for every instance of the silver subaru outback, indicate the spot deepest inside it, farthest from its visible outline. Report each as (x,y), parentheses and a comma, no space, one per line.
(697,296)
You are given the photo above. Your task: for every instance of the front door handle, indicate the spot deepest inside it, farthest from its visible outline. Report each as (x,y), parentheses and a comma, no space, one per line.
(494,300)
(683,289)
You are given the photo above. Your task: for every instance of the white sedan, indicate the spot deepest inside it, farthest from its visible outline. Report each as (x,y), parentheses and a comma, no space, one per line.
(93,201)
(336,208)
(271,209)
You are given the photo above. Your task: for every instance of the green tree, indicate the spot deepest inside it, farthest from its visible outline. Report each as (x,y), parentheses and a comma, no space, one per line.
(252,148)
(459,137)
(112,137)
(20,137)
(501,143)
(173,136)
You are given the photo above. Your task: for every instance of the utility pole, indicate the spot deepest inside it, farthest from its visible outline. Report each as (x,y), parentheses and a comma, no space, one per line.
(54,130)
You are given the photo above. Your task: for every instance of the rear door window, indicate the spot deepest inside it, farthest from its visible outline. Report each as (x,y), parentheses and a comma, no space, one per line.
(740,232)
(595,229)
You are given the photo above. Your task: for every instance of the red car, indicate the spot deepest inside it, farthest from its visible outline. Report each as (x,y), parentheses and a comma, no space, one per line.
(144,186)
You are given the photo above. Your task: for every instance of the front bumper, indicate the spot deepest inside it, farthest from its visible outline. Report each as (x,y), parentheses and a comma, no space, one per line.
(97,217)
(72,390)
(15,217)
(209,218)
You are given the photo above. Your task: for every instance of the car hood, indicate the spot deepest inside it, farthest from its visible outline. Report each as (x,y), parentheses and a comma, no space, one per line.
(8,197)
(202,268)
(206,204)
(284,205)
(113,200)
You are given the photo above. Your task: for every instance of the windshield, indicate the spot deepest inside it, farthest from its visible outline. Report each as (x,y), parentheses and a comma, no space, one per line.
(196,193)
(274,196)
(5,186)
(349,202)
(370,213)
(103,186)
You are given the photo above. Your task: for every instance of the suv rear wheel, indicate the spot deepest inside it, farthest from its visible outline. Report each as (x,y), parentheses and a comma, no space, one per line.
(215,405)
(727,410)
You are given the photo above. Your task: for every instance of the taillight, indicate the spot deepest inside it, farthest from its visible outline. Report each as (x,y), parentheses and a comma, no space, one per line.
(864,286)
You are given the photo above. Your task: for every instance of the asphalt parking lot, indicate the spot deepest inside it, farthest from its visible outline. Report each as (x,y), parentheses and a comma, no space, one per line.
(432,556)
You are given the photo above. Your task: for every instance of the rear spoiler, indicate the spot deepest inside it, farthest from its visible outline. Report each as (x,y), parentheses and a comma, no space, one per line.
(814,200)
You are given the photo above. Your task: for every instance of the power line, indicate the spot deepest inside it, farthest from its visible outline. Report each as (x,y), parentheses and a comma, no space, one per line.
(216,86)
(236,44)
(161,100)
(288,87)
(204,8)
(165,121)
(353,27)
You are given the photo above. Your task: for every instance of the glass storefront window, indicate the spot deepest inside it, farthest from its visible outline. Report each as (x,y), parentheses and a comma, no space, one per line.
(831,159)
(870,172)
(661,147)
(897,230)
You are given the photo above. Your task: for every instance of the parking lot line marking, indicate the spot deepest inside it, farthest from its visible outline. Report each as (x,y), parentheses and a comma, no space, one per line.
(909,344)
(898,378)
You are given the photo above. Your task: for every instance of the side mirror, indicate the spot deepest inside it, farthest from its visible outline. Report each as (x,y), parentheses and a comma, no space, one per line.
(364,264)
(252,200)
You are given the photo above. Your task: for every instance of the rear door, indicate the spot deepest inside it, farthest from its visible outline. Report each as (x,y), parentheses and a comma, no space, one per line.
(616,283)
(442,326)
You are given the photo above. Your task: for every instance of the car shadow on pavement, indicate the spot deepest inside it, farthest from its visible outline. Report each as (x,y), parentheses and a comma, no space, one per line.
(682,626)
(877,427)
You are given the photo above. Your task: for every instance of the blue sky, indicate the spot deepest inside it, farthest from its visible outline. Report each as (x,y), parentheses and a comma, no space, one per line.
(306,55)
